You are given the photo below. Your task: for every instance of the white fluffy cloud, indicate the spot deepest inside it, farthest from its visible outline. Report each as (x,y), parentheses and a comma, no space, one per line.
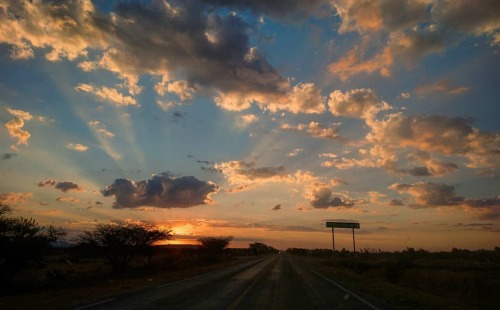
(358,103)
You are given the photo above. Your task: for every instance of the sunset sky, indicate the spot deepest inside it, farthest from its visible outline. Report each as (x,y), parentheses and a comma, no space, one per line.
(256,119)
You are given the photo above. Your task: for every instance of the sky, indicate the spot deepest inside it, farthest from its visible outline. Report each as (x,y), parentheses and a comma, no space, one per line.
(256,119)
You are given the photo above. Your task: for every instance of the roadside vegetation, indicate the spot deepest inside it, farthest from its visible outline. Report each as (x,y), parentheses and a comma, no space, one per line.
(414,279)
(113,259)
(38,268)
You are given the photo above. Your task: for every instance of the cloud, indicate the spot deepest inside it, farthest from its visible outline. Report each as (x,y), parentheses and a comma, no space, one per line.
(14,198)
(324,198)
(161,191)
(295,152)
(373,16)
(49,183)
(429,194)
(24,115)
(441,86)
(396,202)
(468,17)
(203,49)
(375,196)
(287,9)
(439,134)
(247,119)
(101,129)
(8,155)
(181,89)
(358,103)
(354,62)
(244,176)
(107,94)
(317,130)
(14,127)
(477,226)
(412,30)
(405,95)
(276,207)
(348,163)
(485,208)
(77,147)
(166,105)
(240,173)
(432,166)
(66,186)
(66,29)
(304,98)
(69,199)
(432,195)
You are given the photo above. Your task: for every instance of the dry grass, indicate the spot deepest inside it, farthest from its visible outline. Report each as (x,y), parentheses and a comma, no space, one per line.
(399,281)
(91,281)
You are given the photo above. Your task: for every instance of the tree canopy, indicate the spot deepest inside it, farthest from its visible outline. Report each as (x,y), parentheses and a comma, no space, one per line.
(22,240)
(120,243)
(214,246)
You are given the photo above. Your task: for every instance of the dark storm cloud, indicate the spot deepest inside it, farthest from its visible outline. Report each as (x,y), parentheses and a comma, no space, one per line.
(179,39)
(208,49)
(161,191)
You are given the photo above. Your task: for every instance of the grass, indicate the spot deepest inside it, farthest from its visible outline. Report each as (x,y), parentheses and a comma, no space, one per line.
(61,285)
(412,280)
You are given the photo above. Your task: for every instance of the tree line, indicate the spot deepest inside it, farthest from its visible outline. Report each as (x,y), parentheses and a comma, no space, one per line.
(24,243)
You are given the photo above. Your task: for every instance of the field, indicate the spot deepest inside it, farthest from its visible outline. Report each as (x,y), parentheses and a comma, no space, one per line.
(67,279)
(411,279)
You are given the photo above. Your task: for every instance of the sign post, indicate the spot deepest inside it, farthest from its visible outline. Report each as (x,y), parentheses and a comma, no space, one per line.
(352,225)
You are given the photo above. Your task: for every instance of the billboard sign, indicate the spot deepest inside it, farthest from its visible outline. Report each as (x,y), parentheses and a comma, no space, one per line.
(343,224)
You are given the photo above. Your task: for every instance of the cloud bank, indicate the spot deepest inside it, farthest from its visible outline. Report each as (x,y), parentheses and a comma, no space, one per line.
(161,191)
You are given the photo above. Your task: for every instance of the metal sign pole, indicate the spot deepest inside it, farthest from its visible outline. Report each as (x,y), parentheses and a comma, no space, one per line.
(353,241)
(343,224)
(333,241)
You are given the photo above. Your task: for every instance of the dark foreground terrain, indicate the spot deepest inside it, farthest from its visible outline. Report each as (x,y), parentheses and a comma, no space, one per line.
(275,282)
(242,279)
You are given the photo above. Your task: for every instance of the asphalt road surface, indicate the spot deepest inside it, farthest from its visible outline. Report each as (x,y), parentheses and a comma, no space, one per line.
(277,282)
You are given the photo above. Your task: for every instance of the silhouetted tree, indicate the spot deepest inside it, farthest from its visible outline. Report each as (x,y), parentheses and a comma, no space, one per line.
(214,247)
(120,243)
(22,241)
(258,248)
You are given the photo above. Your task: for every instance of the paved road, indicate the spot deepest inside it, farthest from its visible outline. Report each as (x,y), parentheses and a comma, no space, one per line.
(277,282)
